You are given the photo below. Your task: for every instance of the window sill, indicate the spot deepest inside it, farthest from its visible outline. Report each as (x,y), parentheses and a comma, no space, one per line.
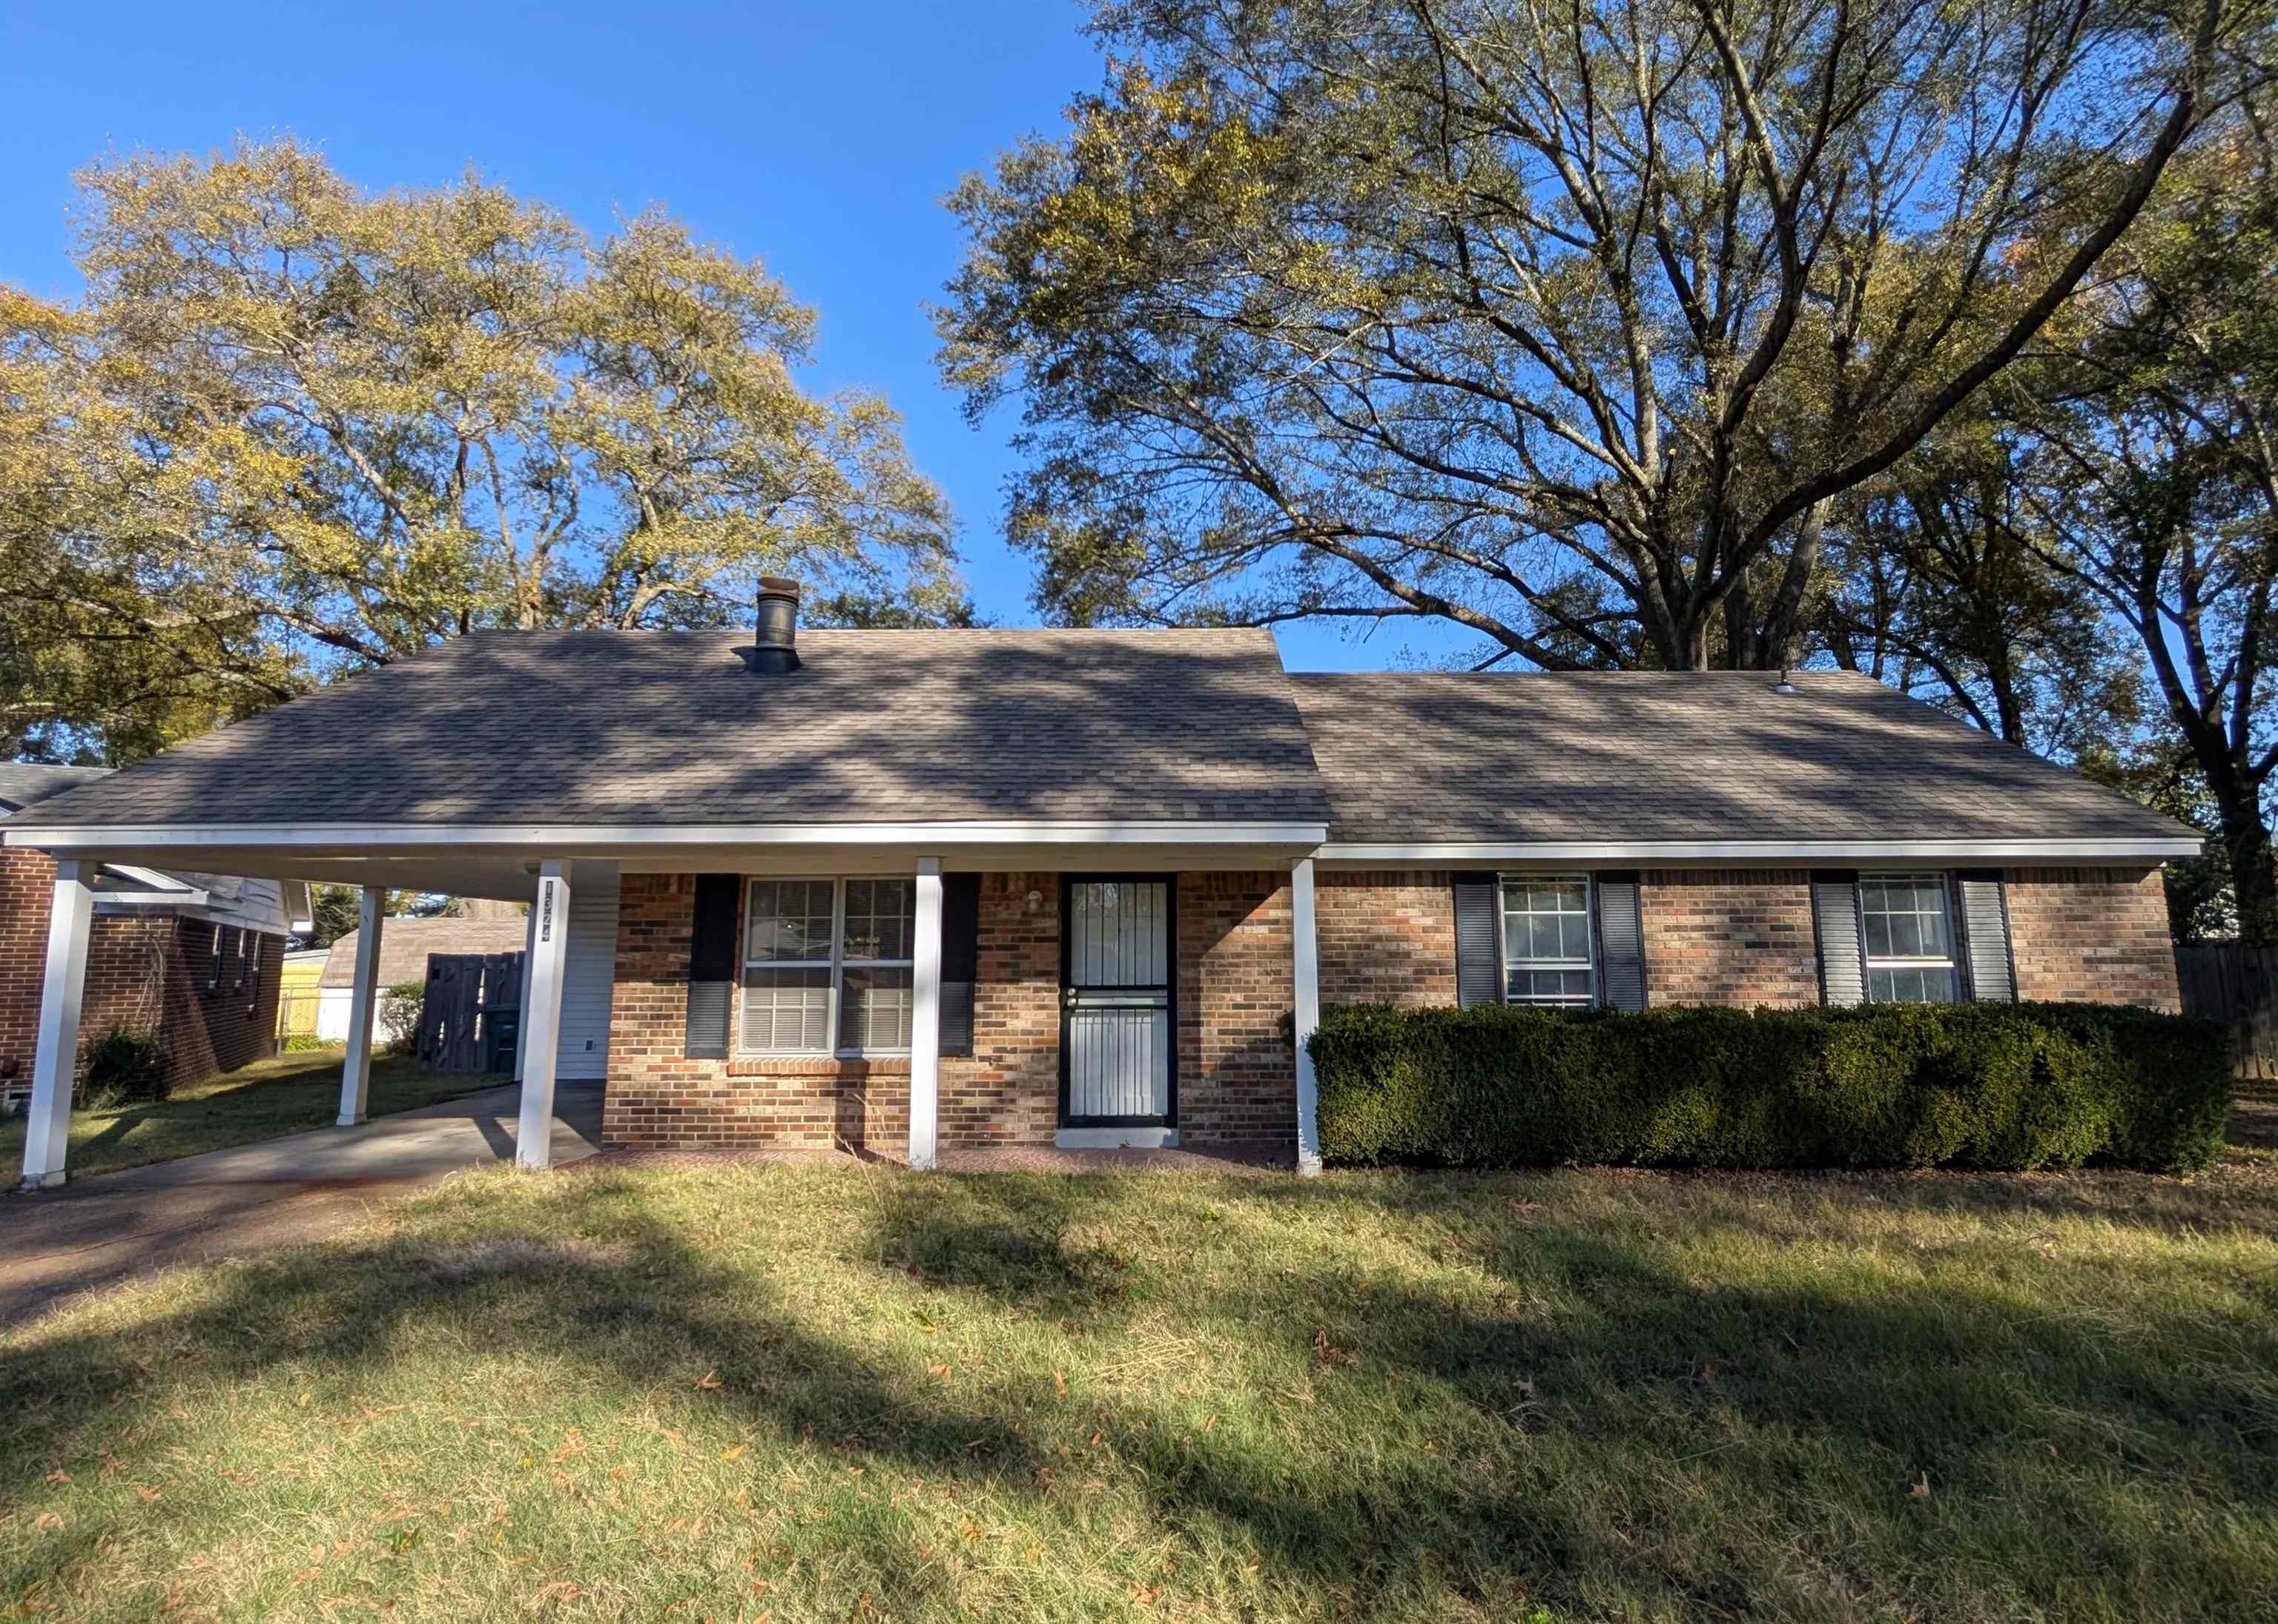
(852,1068)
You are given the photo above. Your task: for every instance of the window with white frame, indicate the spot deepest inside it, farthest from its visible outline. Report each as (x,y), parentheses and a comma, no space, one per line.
(1546,940)
(1907,929)
(828,966)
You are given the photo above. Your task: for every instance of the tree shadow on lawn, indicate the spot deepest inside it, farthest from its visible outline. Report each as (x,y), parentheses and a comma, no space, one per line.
(1541,1427)
(1833,1393)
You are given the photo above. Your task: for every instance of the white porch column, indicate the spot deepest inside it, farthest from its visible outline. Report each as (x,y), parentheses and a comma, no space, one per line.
(925,1016)
(55,1063)
(363,1006)
(541,1015)
(1307,943)
(522,1010)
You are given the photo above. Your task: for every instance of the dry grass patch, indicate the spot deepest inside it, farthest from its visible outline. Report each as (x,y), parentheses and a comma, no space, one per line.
(851,1393)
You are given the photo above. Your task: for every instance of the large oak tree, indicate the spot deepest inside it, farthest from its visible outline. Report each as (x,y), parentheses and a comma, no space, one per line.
(1562,323)
(294,427)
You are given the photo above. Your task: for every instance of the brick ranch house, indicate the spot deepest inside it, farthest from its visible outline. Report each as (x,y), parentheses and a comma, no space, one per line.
(917,890)
(196,955)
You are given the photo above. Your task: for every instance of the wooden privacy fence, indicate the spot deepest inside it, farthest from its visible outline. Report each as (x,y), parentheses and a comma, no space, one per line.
(2233,982)
(472,998)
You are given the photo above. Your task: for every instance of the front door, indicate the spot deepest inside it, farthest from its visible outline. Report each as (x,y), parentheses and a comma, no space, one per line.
(1116,1032)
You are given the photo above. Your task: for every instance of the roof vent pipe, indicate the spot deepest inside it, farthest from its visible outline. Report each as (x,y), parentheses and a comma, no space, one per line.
(1784,686)
(778,627)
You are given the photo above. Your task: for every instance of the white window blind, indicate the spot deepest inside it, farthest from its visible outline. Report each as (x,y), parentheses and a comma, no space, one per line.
(828,967)
(1546,940)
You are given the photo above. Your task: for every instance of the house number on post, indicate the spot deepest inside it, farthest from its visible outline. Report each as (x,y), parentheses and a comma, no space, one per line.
(545,911)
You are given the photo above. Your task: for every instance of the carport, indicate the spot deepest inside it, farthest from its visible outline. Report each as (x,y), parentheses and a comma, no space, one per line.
(428,860)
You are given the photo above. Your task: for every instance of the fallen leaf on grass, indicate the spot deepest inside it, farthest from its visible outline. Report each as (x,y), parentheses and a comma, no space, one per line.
(709,1382)
(1921,1491)
(1329,1353)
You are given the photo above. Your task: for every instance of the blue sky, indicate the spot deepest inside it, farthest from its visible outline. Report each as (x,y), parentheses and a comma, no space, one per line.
(819,137)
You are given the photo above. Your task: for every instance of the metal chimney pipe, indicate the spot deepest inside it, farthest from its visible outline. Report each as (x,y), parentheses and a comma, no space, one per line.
(777,627)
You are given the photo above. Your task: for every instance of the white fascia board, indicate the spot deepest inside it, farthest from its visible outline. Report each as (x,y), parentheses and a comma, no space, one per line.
(172,886)
(148,901)
(595,837)
(1783,852)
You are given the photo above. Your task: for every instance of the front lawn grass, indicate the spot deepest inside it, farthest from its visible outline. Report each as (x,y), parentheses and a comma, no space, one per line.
(283,1093)
(852,1393)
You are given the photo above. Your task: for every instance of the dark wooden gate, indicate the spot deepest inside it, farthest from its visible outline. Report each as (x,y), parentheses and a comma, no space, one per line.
(2237,984)
(473,1001)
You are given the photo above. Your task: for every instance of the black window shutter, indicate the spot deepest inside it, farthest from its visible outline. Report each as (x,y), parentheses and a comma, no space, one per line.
(712,965)
(1835,921)
(960,959)
(1621,941)
(1986,936)
(1478,940)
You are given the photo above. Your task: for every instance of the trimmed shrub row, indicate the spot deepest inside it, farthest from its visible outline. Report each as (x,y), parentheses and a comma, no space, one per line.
(1894,1085)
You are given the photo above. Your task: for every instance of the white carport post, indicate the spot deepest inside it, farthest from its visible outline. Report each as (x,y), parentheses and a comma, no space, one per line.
(541,1015)
(55,1063)
(363,1007)
(925,1017)
(1307,943)
(522,1010)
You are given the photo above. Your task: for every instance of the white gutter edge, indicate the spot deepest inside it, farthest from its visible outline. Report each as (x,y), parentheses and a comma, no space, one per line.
(1783,852)
(328,837)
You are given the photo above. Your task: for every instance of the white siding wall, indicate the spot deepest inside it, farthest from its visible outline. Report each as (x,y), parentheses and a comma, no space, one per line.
(590,973)
(332,1014)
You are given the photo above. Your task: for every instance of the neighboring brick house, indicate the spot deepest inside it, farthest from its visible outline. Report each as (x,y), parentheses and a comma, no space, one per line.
(914,889)
(196,957)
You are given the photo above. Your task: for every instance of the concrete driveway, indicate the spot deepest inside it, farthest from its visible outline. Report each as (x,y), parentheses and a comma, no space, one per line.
(96,1231)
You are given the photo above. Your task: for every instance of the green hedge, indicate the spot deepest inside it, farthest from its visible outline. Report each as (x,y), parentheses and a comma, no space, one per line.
(1897,1085)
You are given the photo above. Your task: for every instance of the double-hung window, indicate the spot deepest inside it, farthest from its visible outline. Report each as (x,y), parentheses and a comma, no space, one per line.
(1546,940)
(1907,928)
(827,966)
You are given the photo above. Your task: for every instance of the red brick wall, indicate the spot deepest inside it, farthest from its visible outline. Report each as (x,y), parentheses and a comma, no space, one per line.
(1387,937)
(1728,936)
(1743,937)
(26,881)
(2091,935)
(1237,1074)
(1007,1091)
(141,970)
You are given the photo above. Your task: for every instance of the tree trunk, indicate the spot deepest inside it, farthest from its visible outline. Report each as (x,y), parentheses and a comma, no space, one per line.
(2253,867)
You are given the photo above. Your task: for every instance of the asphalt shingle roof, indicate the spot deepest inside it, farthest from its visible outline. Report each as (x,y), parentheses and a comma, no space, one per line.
(649,728)
(1679,756)
(671,728)
(405,943)
(24,783)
